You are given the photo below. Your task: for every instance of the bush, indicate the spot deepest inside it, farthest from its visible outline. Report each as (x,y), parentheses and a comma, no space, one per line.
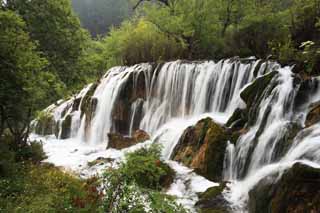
(145,168)
(133,187)
(32,152)
(47,189)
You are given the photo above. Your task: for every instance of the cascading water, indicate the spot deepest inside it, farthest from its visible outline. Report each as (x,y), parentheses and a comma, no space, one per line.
(167,98)
(276,113)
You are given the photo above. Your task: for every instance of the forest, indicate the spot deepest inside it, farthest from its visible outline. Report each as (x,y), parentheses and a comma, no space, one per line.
(49,50)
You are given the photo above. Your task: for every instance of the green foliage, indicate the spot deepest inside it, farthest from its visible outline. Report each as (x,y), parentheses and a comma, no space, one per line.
(133,186)
(61,39)
(32,152)
(20,70)
(47,189)
(144,168)
(139,41)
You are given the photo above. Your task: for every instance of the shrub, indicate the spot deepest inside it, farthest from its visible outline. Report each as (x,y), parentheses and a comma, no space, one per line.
(47,189)
(133,187)
(145,168)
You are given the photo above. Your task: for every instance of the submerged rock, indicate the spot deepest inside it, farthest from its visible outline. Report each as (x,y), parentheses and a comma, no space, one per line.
(202,147)
(118,141)
(298,191)
(212,200)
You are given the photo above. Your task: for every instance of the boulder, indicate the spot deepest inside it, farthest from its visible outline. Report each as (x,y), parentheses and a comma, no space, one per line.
(141,136)
(202,147)
(313,116)
(212,200)
(298,191)
(118,141)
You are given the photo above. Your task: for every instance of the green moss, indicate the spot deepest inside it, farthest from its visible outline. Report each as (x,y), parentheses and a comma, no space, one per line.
(212,192)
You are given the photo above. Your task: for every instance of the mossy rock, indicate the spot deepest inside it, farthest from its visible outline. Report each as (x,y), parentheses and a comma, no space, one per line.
(118,141)
(212,200)
(202,147)
(99,161)
(238,119)
(255,89)
(45,124)
(298,191)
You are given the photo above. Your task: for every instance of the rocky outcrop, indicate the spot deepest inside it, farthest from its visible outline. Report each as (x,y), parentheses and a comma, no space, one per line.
(118,141)
(212,200)
(202,147)
(298,191)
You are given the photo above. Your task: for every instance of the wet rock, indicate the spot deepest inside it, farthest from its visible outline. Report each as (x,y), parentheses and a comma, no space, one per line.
(297,191)
(307,88)
(99,161)
(66,127)
(313,116)
(212,200)
(141,136)
(76,104)
(202,147)
(238,119)
(168,177)
(253,94)
(133,89)
(118,141)
(88,103)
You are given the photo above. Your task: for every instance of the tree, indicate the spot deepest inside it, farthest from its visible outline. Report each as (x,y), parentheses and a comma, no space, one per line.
(21,70)
(57,29)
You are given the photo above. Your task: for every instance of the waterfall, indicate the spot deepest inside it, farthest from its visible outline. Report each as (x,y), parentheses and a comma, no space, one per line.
(164,99)
(174,90)
(254,156)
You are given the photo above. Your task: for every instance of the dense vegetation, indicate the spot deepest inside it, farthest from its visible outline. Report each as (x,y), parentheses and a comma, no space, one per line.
(135,186)
(45,55)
